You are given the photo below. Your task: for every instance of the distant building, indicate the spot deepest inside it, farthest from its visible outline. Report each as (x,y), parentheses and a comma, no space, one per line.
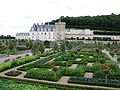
(47,32)
(44,32)
(23,36)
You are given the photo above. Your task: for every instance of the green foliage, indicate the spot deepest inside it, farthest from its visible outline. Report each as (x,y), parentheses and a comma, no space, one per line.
(69,44)
(38,64)
(103,22)
(79,71)
(43,74)
(47,53)
(62,46)
(29,44)
(55,46)
(37,47)
(95,81)
(6,37)
(106,33)
(23,60)
(11,44)
(13,85)
(6,65)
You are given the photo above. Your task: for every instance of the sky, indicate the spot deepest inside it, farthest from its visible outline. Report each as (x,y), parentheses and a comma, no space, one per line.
(19,15)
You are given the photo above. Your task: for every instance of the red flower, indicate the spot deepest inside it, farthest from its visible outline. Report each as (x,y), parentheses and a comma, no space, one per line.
(106,67)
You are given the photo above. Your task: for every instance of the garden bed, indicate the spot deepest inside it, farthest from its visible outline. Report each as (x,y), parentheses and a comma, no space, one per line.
(13,73)
(94,81)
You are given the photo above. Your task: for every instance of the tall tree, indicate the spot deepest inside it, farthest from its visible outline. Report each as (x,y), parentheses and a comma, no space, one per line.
(37,47)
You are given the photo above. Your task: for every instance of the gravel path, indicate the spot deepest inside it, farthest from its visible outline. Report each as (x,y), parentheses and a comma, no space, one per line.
(64,79)
(73,66)
(88,75)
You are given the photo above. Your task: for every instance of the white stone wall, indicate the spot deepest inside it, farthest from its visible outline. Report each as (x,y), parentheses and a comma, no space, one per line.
(79,33)
(22,37)
(43,35)
(60,30)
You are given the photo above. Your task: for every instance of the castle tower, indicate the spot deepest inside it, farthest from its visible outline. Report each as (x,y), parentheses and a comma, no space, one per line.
(60,30)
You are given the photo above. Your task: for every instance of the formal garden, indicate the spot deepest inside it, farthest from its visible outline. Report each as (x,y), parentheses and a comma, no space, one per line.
(104,71)
(86,65)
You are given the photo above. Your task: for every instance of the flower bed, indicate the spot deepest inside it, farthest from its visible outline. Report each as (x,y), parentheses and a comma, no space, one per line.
(43,74)
(6,84)
(79,71)
(19,61)
(94,81)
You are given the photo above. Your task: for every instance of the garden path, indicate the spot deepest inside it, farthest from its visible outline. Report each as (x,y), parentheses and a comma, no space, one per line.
(89,64)
(108,54)
(59,83)
(88,75)
(73,66)
(78,59)
(22,74)
(64,79)
(50,60)
(3,73)
(19,54)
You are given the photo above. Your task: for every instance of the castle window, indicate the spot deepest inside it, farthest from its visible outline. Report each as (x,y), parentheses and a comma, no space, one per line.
(41,33)
(32,33)
(45,33)
(47,29)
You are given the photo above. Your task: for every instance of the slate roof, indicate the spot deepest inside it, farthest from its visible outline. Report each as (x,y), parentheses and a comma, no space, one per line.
(37,27)
(24,34)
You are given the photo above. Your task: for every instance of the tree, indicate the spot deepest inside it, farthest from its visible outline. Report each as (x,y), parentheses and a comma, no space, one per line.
(11,44)
(41,47)
(37,47)
(28,44)
(103,22)
(55,46)
(34,49)
(69,44)
(7,50)
(62,46)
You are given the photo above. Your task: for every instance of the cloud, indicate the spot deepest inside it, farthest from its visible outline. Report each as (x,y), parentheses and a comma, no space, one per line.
(28,17)
(19,15)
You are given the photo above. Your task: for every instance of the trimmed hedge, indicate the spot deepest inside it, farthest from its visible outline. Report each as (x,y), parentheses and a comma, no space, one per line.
(95,81)
(44,74)
(53,85)
(19,61)
(12,73)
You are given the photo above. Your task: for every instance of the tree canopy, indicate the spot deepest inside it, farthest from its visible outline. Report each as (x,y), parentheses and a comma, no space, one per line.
(6,37)
(100,22)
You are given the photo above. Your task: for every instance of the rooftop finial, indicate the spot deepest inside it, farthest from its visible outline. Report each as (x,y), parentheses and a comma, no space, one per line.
(59,19)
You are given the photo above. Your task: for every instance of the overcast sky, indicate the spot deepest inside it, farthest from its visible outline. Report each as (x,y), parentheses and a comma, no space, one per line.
(19,15)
